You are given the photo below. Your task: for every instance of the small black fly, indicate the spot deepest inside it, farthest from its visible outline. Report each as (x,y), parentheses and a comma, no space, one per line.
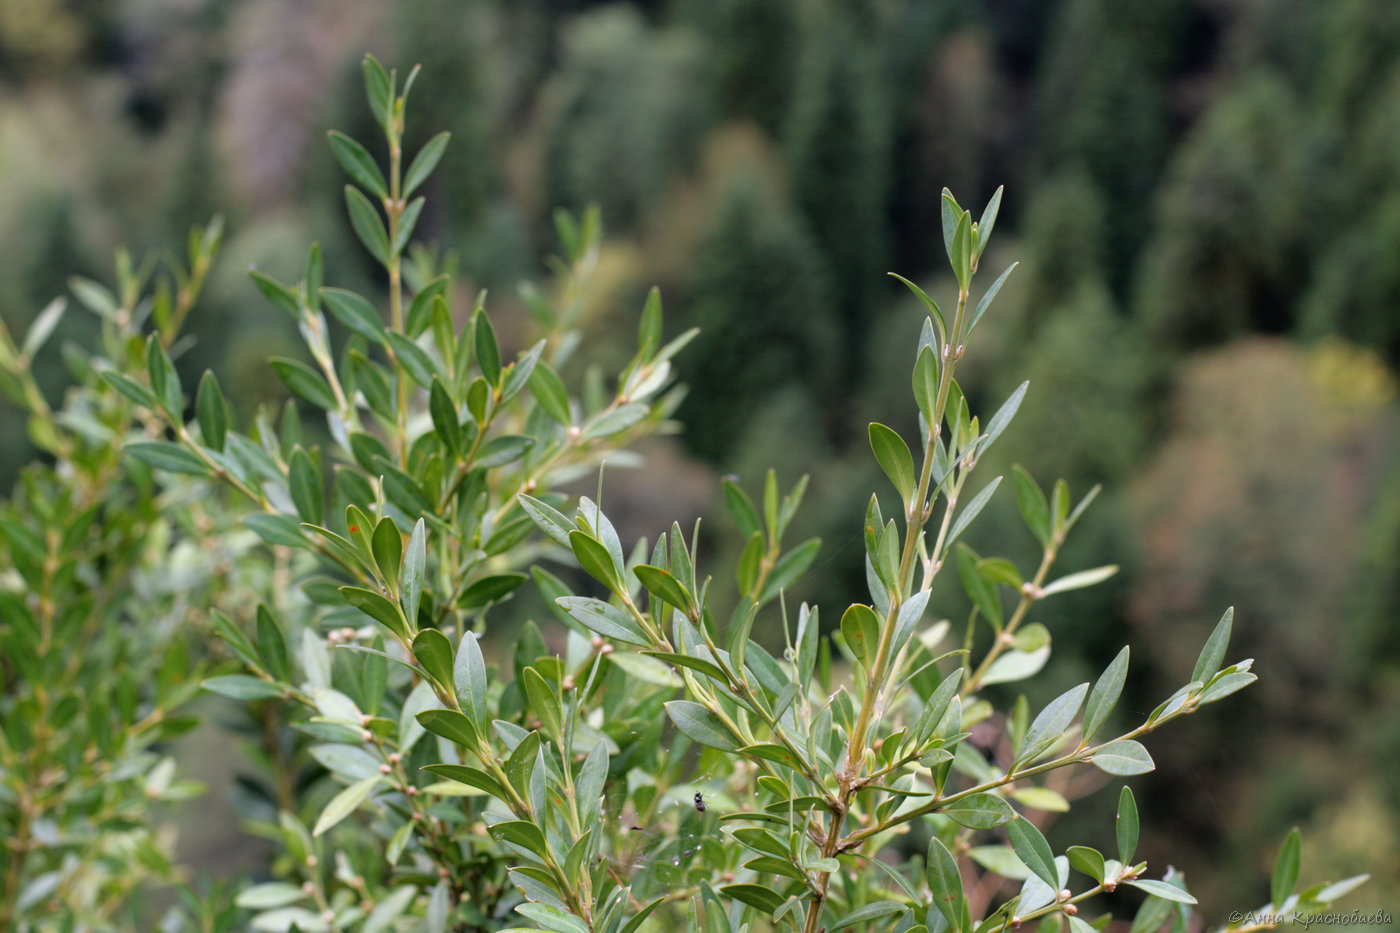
(699,803)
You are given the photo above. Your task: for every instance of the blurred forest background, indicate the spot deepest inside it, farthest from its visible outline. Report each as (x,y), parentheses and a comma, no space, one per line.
(1204,195)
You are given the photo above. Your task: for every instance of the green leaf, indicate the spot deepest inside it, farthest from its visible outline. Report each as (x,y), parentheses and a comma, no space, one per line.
(701,725)
(304,381)
(1050,725)
(367,224)
(934,312)
(411,582)
(1104,697)
(346,802)
(1224,685)
(772,752)
(988,221)
(1127,826)
(272,647)
(1080,580)
(1002,419)
(413,358)
(378,608)
(490,589)
(594,558)
(43,327)
(271,894)
(451,725)
(242,687)
(867,914)
(741,509)
(424,162)
(1285,877)
(635,924)
(545,702)
(709,669)
(979,811)
(169,457)
(277,529)
(355,312)
(445,419)
(165,381)
(604,619)
(894,458)
(945,881)
(211,411)
(664,586)
(1124,757)
(1213,653)
(549,519)
(755,895)
(1035,511)
(789,567)
(358,164)
(472,777)
(1087,860)
(488,351)
(131,389)
(860,627)
(307,489)
(552,918)
(973,509)
(925,382)
(526,835)
(379,90)
(1032,849)
(1167,892)
(961,253)
(469,679)
(408,221)
(277,293)
(549,391)
(987,299)
(434,654)
(521,763)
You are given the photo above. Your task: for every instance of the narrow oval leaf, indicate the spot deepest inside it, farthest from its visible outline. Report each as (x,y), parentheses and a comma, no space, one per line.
(367,224)
(358,164)
(169,457)
(451,725)
(469,679)
(1167,892)
(894,458)
(1124,757)
(1104,697)
(211,411)
(345,803)
(304,381)
(755,895)
(378,608)
(1285,876)
(597,562)
(355,312)
(666,587)
(1032,849)
(434,653)
(701,725)
(945,881)
(979,811)
(1126,826)
(1078,581)
(605,619)
(1087,860)
(1050,724)
(424,162)
(1213,653)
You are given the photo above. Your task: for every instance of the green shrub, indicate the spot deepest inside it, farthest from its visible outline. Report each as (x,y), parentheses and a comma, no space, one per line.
(641,758)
